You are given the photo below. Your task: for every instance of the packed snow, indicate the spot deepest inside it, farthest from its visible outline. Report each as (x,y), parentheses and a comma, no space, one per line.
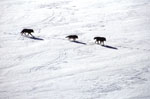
(50,66)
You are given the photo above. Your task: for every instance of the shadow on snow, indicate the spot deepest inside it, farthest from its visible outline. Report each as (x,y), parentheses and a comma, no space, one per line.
(34,38)
(111,47)
(79,42)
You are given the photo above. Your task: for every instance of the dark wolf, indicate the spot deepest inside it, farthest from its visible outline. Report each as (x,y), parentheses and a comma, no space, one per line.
(100,40)
(27,31)
(72,37)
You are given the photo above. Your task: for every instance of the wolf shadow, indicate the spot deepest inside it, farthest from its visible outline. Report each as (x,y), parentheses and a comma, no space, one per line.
(35,38)
(78,42)
(111,47)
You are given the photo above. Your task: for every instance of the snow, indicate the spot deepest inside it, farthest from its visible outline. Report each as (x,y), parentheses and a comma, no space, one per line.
(52,67)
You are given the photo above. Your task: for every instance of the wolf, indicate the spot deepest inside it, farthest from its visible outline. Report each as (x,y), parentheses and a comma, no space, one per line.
(72,37)
(100,40)
(27,31)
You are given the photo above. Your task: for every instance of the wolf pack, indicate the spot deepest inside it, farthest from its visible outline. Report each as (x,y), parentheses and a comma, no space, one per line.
(98,39)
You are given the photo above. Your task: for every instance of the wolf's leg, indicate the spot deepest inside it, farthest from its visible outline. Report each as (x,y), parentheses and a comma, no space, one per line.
(95,42)
(21,33)
(99,42)
(31,35)
(102,42)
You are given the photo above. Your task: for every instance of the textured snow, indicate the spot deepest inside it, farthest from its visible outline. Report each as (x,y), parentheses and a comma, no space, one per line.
(52,67)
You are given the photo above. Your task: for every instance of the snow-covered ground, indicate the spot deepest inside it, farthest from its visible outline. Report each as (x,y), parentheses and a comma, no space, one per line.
(51,67)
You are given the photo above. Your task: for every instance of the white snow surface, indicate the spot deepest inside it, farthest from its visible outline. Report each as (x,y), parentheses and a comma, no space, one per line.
(52,67)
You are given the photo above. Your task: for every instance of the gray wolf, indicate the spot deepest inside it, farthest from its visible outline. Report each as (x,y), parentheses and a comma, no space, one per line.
(100,40)
(72,37)
(27,31)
